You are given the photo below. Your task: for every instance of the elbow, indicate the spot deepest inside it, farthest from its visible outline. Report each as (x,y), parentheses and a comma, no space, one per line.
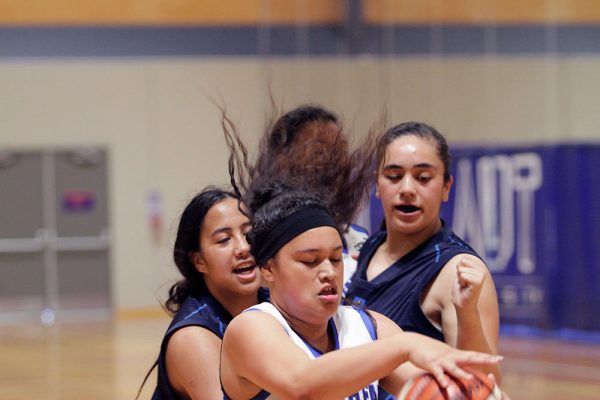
(302,393)
(298,389)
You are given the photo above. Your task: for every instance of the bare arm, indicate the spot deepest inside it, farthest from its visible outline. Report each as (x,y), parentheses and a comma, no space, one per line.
(193,363)
(393,382)
(396,379)
(469,312)
(257,353)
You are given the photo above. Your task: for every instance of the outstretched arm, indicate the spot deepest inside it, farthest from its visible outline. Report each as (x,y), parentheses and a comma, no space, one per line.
(394,381)
(257,353)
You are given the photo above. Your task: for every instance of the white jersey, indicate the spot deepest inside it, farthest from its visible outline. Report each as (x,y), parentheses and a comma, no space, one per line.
(351,326)
(355,237)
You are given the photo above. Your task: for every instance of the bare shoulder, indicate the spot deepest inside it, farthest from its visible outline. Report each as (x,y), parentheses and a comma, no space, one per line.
(254,323)
(194,339)
(385,326)
(467,257)
(250,318)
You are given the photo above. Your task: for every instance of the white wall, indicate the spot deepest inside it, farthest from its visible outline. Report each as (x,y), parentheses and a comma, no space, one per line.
(163,133)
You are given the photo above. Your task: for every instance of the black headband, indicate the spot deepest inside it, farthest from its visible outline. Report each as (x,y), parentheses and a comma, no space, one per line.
(268,244)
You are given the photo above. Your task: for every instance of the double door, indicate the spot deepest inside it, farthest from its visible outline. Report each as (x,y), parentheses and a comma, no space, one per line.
(54,235)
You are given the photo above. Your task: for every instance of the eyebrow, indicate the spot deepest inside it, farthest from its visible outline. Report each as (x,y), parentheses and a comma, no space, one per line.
(419,165)
(315,250)
(228,229)
(220,230)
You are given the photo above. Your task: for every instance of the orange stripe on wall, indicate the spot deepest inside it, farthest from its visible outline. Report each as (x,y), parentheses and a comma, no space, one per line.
(253,12)
(169,12)
(481,11)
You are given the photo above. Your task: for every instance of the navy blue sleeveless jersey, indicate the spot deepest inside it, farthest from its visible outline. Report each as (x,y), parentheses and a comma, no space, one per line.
(396,292)
(204,311)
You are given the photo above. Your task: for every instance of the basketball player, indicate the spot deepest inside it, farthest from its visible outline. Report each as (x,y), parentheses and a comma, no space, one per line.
(220,279)
(417,271)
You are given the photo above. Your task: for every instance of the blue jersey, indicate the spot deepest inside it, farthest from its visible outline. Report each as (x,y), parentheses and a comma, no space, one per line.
(204,311)
(396,292)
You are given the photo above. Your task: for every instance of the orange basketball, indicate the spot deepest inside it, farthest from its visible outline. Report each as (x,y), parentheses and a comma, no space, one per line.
(425,387)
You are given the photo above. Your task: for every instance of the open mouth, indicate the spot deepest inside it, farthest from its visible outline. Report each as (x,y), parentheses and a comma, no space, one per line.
(407,208)
(245,270)
(328,291)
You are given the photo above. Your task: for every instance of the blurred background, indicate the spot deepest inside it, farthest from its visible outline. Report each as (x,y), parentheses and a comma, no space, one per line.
(108,125)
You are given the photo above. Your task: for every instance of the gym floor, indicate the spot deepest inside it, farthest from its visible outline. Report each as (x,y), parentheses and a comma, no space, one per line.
(108,360)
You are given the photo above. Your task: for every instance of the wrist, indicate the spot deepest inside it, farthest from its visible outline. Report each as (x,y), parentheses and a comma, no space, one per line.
(466,309)
(408,341)
(467,316)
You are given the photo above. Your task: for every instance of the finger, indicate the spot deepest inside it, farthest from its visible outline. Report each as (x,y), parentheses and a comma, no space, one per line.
(474,277)
(475,358)
(470,265)
(440,376)
(473,262)
(474,269)
(470,279)
(462,282)
(453,369)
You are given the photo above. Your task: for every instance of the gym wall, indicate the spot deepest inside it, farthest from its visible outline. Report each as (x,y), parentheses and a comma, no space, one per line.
(140,78)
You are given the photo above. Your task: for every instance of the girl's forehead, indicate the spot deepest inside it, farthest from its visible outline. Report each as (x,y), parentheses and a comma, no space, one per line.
(411,145)
(316,238)
(408,148)
(224,213)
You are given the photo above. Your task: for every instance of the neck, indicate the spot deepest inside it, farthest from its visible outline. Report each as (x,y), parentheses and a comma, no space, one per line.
(316,334)
(235,303)
(236,307)
(399,244)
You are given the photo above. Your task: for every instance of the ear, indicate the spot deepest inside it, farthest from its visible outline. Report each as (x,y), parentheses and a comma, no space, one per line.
(267,271)
(376,179)
(447,186)
(198,261)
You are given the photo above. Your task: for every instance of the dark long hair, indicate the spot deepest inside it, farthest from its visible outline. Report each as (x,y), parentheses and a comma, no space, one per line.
(188,242)
(338,176)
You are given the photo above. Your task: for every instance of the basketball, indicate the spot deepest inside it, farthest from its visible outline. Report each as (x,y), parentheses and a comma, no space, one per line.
(425,387)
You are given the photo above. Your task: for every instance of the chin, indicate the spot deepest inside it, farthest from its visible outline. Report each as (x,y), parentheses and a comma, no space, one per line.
(248,288)
(406,227)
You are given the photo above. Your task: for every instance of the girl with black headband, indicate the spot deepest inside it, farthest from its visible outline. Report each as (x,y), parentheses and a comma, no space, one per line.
(303,344)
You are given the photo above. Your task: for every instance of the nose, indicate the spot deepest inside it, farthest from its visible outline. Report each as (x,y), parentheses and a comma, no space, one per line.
(242,249)
(327,272)
(407,187)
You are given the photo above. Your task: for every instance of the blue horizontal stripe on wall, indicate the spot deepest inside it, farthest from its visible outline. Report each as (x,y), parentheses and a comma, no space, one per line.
(297,40)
